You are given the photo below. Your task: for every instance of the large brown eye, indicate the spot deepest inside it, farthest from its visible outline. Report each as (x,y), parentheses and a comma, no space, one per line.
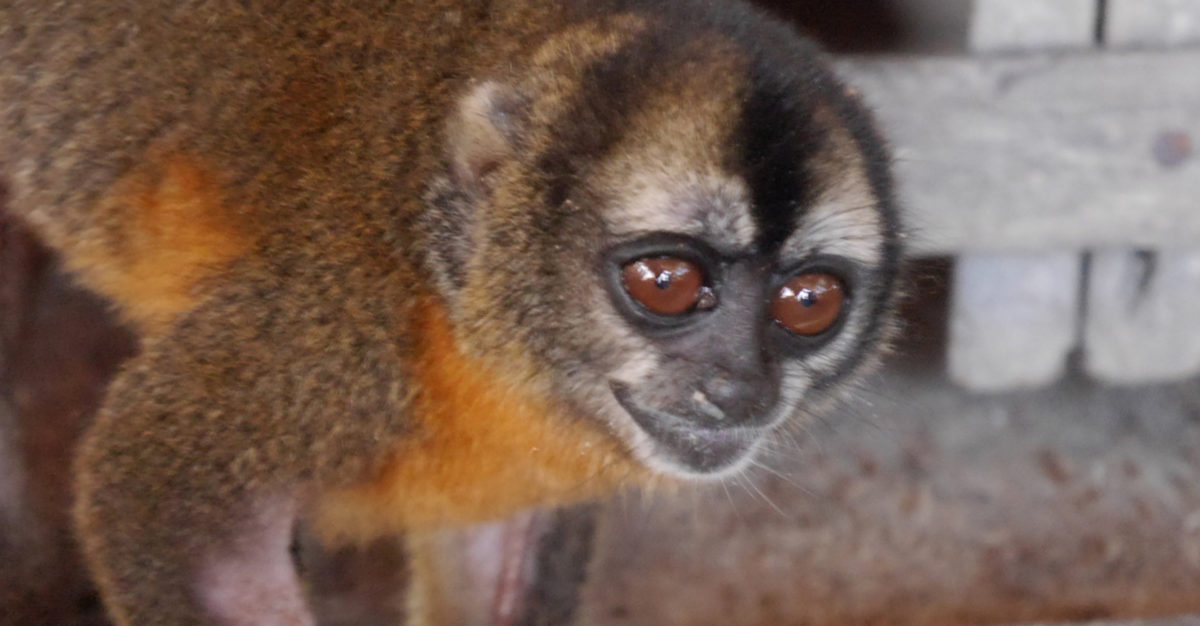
(665,285)
(809,304)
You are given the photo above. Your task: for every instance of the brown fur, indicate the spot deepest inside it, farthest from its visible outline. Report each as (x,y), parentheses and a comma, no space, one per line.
(178,231)
(484,446)
(242,181)
(352,301)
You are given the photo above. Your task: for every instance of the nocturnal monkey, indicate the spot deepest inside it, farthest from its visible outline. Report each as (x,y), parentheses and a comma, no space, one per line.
(400,265)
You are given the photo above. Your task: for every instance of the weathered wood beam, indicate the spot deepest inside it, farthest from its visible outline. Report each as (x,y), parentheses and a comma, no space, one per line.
(999,25)
(1142,313)
(1014,319)
(1152,23)
(1142,305)
(1014,315)
(1042,151)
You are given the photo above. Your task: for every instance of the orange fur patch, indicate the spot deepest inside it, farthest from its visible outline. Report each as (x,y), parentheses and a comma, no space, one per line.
(485,447)
(173,230)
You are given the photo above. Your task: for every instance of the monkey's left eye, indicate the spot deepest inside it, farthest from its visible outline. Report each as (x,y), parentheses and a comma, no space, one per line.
(809,304)
(666,285)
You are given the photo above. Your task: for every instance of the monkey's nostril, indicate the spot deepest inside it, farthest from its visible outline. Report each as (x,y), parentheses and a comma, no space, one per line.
(739,401)
(721,391)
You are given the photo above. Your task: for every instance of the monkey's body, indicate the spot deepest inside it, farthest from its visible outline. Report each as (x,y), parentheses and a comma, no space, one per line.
(158,220)
(246,182)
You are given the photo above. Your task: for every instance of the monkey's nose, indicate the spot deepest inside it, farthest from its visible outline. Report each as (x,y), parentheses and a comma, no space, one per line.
(740,402)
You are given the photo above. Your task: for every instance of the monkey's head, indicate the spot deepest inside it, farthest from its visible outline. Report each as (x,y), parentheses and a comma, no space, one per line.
(686,232)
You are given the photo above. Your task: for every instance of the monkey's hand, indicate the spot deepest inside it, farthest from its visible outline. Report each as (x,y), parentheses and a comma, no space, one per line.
(192,476)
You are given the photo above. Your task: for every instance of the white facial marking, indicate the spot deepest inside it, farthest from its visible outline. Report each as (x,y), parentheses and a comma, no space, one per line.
(794,383)
(637,368)
(666,199)
(844,221)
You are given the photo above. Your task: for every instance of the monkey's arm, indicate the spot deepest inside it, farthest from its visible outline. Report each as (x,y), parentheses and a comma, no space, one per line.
(191,478)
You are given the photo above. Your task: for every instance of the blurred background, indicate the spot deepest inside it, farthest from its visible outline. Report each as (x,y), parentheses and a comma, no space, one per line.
(1030,452)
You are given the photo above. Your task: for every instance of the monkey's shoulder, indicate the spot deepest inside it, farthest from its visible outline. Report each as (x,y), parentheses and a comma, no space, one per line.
(483,444)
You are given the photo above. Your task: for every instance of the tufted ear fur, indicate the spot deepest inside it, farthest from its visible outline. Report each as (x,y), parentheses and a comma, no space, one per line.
(480,134)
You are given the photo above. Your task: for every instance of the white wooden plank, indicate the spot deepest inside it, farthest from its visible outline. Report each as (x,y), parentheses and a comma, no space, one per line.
(1152,23)
(1143,307)
(1021,25)
(1143,316)
(1013,319)
(1043,152)
(1011,325)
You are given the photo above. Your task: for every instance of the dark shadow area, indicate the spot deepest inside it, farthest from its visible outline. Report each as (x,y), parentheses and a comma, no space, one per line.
(921,336)
(58,348)
(878,26)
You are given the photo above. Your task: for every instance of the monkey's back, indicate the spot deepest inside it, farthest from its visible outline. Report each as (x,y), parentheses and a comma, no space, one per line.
(155,142)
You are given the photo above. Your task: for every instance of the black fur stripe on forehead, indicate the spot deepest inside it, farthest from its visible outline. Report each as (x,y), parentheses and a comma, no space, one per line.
(613,89)
(597,116)
(779,135)
(777,147)
(776,137)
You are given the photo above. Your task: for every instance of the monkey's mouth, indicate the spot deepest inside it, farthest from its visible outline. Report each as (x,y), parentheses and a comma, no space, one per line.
(690,446)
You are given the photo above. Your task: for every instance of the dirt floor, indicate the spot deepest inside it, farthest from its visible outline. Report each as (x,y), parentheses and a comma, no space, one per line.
(919,503)
(929,506)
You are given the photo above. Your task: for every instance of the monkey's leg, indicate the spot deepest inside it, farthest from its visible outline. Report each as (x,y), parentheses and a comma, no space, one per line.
(181,560)
(191,477)
(174,531)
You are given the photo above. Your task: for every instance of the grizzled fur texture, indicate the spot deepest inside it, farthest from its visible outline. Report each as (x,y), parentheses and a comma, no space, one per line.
(369,247)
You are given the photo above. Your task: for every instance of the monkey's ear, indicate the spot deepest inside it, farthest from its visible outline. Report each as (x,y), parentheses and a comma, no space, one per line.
(482,133)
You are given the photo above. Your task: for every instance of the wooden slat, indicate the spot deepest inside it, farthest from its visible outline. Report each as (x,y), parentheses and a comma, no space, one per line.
(1009,25)
(1013,319)
(1014,315)
(1043,152)
(1142,314)
(1142,306)
(1152,23)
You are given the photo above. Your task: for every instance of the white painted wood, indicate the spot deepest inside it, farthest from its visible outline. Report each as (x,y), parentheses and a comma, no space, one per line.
(1152,23)
(1022,25)
(1143,316)
(1042,152)
(1013,318)
(1143,307)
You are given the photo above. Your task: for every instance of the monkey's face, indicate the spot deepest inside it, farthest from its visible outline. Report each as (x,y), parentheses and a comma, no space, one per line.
(725,338)
(692,243)
(737,309)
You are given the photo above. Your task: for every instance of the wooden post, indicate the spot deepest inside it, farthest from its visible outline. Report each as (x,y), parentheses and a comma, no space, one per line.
(1014,315)
(1024,25)
(1152,23)
(1143,305)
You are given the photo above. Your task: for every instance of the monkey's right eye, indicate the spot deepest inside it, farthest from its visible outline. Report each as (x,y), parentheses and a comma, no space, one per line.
(667,285)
